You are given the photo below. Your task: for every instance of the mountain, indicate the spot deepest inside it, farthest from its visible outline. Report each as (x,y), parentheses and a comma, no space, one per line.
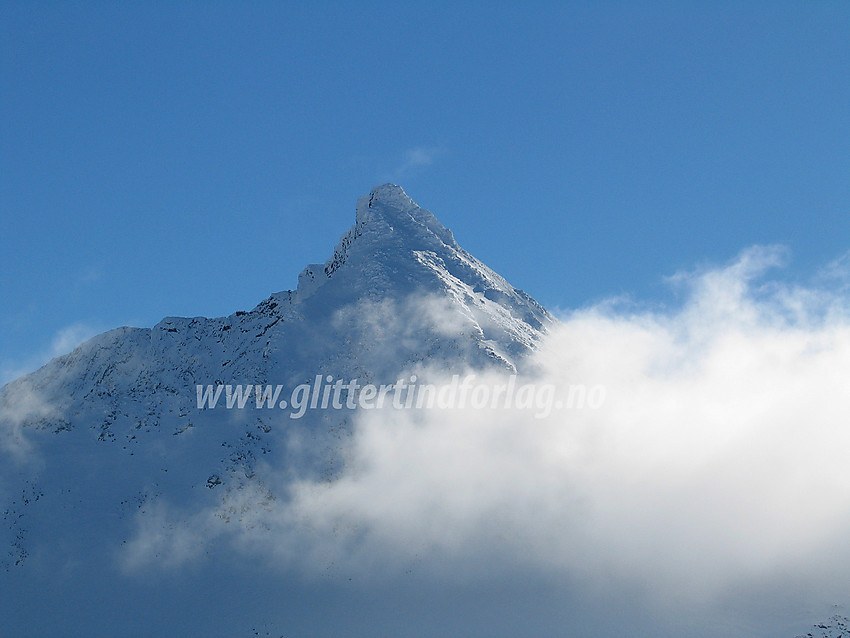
(397,258)
(99,443)
(131,506)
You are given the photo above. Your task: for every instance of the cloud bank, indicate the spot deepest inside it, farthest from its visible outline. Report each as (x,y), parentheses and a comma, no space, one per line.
(715,468)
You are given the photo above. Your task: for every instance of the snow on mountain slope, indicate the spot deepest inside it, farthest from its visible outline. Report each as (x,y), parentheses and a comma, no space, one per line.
(374,309)
(96,441)
(125,510)
(395,253)
(836,627)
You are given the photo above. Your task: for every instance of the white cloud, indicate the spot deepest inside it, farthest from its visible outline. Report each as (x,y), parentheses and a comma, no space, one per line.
(165,538)
(419,156)
(62,342)
(837,272)
(21,404)
(718,459)
(716,468)
(24,404)
(415,159)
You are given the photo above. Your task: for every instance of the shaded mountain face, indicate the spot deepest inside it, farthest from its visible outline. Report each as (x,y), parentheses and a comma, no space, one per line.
(837,626)
(97,440)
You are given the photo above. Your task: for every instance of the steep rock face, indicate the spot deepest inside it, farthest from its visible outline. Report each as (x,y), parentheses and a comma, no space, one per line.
(114,425)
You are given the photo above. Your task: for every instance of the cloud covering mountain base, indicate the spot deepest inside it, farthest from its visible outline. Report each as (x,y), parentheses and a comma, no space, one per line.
(710,487)
(659,470)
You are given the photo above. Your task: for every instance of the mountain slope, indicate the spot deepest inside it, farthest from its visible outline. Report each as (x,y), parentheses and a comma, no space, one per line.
(128,508)
(100,443)
(396,252)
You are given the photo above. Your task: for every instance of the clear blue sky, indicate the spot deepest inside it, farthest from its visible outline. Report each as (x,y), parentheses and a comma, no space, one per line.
(190,158)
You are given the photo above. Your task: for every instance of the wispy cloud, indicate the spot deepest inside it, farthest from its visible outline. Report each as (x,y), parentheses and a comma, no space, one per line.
(21,404)
(419,156)
(416,159)
(837,271)
(165,537)
(62,342)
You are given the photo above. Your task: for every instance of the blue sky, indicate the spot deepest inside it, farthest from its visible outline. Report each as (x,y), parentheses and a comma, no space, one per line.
(189,159)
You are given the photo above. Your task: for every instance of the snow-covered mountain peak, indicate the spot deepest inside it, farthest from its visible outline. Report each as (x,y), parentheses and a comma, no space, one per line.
(396,260)
(397,251)
(388,209)
(389,226)
(390,194)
